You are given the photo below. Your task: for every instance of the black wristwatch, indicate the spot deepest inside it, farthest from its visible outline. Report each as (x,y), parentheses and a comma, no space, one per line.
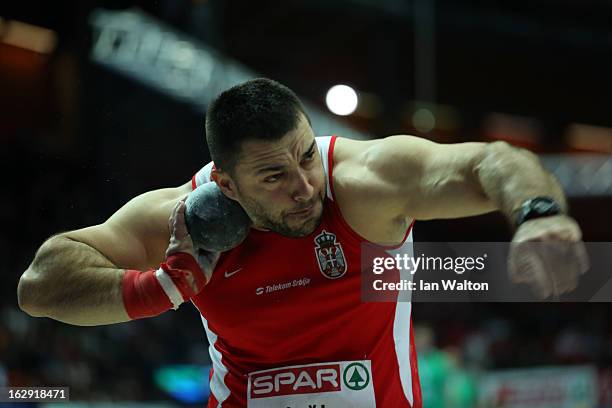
(535,208)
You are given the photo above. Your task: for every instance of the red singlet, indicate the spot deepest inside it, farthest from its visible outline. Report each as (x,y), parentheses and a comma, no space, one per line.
(287,327)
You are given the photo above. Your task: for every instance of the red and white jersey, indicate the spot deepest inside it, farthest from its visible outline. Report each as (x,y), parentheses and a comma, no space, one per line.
(287,327)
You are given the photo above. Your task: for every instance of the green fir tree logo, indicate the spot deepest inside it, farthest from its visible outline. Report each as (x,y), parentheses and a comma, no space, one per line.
(356,376)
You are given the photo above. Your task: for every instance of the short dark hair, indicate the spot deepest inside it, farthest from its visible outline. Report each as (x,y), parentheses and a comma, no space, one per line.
(259,109)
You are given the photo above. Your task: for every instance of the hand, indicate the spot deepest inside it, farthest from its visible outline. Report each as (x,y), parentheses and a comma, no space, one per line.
(179,278)
(549,254)
(180,241)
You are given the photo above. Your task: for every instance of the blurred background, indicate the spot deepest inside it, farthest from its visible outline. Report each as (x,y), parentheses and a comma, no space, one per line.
(103,100)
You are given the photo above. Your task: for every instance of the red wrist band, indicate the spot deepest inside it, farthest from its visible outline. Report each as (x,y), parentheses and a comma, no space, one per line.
(153,292)
(143,296)
(185,273)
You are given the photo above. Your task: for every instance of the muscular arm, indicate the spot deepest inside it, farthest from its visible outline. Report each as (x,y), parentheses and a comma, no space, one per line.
(420,179)
(406,177)
(76,276)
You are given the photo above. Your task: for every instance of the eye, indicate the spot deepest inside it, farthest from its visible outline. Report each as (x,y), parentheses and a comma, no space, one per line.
(309,156)
(273,178)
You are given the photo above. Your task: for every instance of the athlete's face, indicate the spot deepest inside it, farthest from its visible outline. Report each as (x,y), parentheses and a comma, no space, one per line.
(281,184)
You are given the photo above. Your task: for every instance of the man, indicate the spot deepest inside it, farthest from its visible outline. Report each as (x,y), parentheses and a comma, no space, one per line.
(282,310)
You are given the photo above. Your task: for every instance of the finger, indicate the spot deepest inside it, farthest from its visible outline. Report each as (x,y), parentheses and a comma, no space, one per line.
(567,283)
(570,285)
(567,264)
(582,256)
(180,227)
(512,269)
(520,271)
(173,215)
(542,291)
(569,280)
(560,266)
(542,284)
(518,268)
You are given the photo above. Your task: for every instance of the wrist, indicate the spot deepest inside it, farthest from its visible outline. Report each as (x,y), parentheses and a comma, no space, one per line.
(150,293)
(181,272)
(143,294)
(536,207)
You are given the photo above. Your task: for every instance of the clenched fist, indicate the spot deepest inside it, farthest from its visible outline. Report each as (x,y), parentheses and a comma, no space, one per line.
(548,253)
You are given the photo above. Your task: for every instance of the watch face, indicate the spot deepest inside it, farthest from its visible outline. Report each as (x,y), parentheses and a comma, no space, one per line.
(538,207)
(542,206)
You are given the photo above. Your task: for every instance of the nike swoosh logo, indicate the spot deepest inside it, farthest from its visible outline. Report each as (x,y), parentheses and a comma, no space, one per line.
(228,274)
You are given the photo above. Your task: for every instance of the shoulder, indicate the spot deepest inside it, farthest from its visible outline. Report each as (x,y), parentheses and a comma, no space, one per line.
(382,155)
(375,166)
(367,201)
(348,161)
(350,150)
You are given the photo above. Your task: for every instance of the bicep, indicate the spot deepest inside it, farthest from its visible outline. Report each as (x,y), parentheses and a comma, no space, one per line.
(431,180)
(137,235)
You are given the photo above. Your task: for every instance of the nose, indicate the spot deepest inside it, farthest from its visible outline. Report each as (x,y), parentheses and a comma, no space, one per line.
(302,188)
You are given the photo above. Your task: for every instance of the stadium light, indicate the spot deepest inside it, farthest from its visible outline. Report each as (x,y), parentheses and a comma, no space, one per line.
(341,100)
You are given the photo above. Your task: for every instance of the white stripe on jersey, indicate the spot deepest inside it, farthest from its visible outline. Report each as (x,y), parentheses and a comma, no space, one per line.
(218,388)
(203,175)
(323,145)
(401,324)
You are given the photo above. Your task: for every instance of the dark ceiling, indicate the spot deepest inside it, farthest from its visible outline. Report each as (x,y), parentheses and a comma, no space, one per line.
(547,59)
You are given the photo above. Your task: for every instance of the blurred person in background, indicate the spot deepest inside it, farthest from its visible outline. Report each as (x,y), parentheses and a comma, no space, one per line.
(434,367)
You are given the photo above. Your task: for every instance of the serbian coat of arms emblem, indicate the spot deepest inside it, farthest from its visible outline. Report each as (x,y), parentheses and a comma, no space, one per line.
(330,257)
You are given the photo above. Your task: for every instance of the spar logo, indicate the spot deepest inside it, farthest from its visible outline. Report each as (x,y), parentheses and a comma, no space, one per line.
(356,376)
(330,256)
(309,379)
(295,380)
